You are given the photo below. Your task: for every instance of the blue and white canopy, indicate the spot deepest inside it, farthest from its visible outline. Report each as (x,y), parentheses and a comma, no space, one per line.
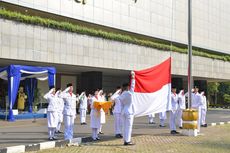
(15,73)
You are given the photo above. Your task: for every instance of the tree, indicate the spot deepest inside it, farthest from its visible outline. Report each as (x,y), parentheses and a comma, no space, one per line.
(213,89)
(224,92)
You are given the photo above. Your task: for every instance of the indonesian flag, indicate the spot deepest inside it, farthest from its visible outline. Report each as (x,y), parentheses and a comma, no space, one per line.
(152,92)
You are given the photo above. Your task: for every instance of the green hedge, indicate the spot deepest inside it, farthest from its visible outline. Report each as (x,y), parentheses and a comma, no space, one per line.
(35,20)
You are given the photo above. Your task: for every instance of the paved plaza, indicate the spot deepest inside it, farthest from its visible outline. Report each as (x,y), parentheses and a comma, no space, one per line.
(24,132)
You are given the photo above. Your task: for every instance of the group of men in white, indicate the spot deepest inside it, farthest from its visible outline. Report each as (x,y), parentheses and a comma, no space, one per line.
(62,104)
(178,102)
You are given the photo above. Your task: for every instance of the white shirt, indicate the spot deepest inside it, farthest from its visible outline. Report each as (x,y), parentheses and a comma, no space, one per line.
(83,101)
(117,107)
(52,100)
(174,102)
(126,100)
(69,103)
(60,101)
(181,100)
(204,101)
(196,100)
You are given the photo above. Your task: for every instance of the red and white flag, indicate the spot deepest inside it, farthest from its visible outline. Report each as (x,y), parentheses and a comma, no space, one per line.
(152,92)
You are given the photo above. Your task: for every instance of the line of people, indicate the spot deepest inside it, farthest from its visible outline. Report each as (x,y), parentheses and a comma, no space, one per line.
(178,102)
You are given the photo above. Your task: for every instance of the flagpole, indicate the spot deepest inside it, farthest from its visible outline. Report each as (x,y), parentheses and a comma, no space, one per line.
(190,79)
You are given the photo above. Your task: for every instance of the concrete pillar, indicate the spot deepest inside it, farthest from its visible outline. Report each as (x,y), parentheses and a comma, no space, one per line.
(178,83)
(58,80)
(90,81)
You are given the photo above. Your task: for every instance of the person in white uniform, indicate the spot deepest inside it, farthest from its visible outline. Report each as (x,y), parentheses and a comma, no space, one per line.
(203,110)
(60,103)
(127,109)
(117,113)
(197,104)
(94,117)
(151,118)
(181,107)
(101,98)
(52,112)
(162,117)
(83,107)
(173,112)
(69,111)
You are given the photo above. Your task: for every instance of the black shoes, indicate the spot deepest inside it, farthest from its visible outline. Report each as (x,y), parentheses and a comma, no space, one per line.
(84,123)
(58,132)
(174,132)
(118,136)
(204,125)
(128,143)
(100,133)
(152,123)
(180,127)
(53,138)
(162,126)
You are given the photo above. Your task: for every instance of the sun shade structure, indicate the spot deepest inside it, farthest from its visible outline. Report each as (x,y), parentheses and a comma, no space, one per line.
(15,73)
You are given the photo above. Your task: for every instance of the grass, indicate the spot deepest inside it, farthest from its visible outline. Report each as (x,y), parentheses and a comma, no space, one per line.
(66,26)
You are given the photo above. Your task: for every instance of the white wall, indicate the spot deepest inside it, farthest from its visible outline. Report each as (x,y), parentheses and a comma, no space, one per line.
(166,19)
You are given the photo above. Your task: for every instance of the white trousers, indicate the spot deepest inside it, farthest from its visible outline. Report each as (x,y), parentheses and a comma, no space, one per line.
(69,127)
(58,128)
(162,122)
(199,119)
(151,118)
(117,123)
(179,117)
(127,127)
(172,121)
(94,133)
(99,129)
(82,115)
(51,132)
(203,116)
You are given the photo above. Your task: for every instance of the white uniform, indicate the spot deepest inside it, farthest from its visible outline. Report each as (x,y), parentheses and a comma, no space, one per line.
(60,103)
(117,113)
(162,117)
(102,113)
(173,112)
(52,113)
(69,113)
(203,109)
(197,104)
(83,107)
(181,107)
(94,119)
(127,111)
(151,118)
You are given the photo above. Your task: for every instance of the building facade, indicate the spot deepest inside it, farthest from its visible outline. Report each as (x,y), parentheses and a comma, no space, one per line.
(93,62)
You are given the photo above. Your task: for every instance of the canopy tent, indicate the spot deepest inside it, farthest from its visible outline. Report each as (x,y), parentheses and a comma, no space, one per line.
(15,73)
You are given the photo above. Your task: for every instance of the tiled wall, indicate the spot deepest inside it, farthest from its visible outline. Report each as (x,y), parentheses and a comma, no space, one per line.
(34,43)
(166,19)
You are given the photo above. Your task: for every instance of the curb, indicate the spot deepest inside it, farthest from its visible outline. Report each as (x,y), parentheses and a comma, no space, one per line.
(218,123)
(45,145)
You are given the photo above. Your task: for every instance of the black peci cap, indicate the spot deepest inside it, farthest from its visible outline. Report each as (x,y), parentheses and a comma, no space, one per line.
(125,85)
(69,85)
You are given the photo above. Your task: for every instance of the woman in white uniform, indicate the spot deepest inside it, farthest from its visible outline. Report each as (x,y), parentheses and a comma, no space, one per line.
(94,117)
(60,104)
(101,98)
(52,112)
